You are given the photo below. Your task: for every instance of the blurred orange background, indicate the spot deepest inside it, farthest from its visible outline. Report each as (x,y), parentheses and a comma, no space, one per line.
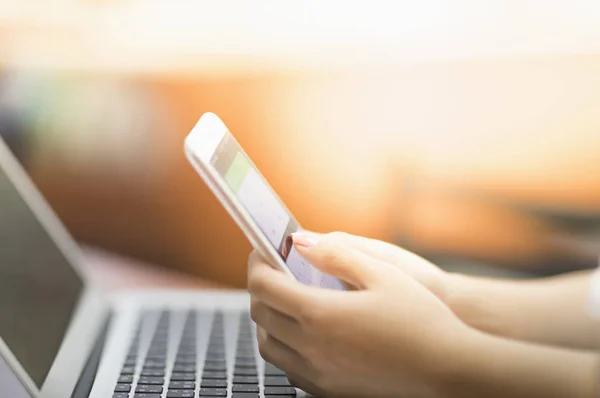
(460,131)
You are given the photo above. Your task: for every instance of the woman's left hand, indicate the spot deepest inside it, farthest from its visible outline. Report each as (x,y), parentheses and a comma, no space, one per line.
(390,337)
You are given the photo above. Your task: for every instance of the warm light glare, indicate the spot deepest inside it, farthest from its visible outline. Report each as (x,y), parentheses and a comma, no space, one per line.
(161,35)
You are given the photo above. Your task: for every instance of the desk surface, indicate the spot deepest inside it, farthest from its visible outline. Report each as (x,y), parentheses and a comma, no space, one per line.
(115,272)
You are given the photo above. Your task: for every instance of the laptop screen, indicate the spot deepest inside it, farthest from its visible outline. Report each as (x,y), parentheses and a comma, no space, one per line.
(39,289)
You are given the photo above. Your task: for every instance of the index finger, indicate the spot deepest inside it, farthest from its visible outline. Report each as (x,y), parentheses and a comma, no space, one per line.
(282,292)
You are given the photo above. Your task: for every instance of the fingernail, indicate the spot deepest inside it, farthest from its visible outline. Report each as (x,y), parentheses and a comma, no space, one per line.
(305,239)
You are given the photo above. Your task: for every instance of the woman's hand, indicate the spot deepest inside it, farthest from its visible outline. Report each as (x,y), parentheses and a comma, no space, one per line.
(391,337)
(546,310)
(426,273)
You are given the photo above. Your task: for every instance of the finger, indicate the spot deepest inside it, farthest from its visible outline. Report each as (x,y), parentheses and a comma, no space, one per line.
(283,293)
(382,251)
(345,263)
(282,356)
(378,249)
(278,325)
(254,259)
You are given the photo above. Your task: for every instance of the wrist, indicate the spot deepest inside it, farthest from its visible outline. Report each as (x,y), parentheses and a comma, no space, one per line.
(455,361)
(465,298)
(458,295)
(492,366)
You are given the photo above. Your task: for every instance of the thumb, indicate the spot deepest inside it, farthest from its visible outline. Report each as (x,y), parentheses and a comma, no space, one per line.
(342,262)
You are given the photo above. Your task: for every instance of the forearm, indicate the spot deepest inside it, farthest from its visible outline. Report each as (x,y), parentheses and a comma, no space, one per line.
(489,366)
(549,311)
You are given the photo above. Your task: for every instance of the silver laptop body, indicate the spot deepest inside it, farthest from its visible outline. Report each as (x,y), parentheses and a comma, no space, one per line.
(61,336)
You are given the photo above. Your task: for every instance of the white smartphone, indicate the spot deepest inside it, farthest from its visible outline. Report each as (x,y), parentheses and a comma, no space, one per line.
(249,199)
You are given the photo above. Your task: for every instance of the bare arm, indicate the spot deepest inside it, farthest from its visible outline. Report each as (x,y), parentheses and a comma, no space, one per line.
(548,311)
(489,366)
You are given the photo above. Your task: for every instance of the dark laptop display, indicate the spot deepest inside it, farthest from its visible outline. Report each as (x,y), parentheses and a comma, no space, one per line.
(38,286)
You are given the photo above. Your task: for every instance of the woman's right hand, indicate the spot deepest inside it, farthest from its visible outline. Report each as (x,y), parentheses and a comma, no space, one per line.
(426,273)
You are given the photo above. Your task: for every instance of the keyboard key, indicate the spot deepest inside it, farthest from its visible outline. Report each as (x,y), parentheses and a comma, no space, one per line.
(130,362)
(245,355)
(157,353)
(244,372)
(245,380)
(218,356)
(215,368)
(214,375)
(183,355)
(120,395)
(126,379)
(123,388)
(156,357)
(184,369)
(183,377)
(245,388)
(210,383)
(159,344)
(245,363)
(146,395)
(182,385)
(215,362)
(154,372)
(247,367)
(280,391)
(277,382)
(180,394)
(128,370)
(213,392)
(271,370)
(157,381)
(281,396)
(149,389)
(185,361)
(154,365)
(244,395)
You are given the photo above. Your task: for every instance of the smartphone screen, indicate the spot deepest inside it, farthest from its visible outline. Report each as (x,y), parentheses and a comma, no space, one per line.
(252,191)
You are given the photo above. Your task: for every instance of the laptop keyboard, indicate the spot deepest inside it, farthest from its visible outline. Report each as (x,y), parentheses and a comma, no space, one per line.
(197,364)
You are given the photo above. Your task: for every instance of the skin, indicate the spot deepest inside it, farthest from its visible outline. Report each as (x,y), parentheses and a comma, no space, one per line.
(523,310)
(406,329)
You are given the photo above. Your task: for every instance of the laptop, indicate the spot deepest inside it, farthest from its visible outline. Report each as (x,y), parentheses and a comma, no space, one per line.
(63,337)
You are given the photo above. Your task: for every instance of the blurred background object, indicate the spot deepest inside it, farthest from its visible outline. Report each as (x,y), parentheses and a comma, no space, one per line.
(467,131)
